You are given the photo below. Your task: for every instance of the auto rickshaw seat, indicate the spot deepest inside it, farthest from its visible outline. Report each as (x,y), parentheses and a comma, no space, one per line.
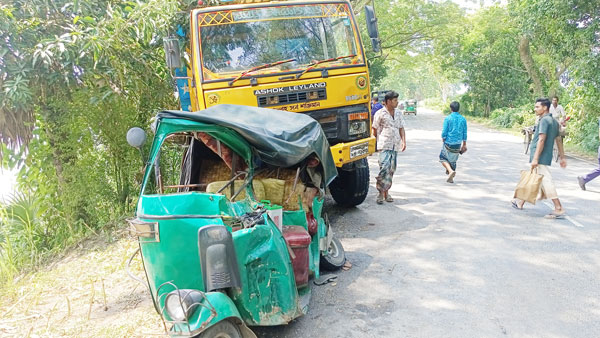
(257,187)
(280,188)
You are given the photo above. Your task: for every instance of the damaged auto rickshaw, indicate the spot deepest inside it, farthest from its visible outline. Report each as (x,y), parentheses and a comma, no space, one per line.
(229,219)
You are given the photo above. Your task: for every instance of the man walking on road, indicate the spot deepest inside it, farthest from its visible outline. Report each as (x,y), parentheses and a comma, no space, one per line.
(541,156)
(454,138)
(388,126)
(583,180)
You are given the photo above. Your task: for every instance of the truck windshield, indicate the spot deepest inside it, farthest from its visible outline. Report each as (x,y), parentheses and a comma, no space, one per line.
(251,37)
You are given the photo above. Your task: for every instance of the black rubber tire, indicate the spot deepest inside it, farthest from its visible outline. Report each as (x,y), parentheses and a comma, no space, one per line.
(336,256)
(350,188)
(222,329)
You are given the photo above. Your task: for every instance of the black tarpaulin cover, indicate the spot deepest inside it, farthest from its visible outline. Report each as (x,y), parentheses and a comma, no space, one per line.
(279,138)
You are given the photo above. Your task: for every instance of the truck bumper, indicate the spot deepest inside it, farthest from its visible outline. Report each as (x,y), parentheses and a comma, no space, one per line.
(349,152)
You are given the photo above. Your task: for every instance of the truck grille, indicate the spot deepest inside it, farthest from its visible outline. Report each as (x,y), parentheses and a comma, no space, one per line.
(296,97)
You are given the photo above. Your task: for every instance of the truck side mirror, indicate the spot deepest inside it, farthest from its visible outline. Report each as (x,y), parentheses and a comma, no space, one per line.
(136,137)
(372,28)
(172,54)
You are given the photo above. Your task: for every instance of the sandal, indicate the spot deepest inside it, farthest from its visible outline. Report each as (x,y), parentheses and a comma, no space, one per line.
(451,177)
(389,199)
(379,199)
(554,215)
(515,205)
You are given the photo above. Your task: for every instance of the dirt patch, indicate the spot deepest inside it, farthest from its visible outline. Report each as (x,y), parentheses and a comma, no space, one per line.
(87,293)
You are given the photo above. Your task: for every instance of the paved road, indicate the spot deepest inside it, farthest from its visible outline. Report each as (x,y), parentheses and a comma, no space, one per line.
(455,260)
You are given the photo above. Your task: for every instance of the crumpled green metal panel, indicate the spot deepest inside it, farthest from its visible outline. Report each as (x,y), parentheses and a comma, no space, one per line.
(268,295)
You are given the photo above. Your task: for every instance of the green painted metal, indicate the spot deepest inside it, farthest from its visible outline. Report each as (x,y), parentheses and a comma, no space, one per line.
(268,295)
(223,307)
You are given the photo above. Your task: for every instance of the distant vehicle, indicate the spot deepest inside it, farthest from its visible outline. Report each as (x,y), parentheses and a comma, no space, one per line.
(410,107)
(380,94)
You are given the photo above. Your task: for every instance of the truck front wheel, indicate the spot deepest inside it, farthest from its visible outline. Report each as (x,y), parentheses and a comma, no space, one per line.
(350,187)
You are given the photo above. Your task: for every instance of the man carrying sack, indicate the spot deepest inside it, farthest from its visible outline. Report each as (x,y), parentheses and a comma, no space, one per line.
(540,158)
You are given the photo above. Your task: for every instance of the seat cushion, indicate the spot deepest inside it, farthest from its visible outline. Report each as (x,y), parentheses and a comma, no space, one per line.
(258,188)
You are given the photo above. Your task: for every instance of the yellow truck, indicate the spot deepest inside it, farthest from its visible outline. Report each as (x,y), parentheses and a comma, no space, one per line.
(300,56)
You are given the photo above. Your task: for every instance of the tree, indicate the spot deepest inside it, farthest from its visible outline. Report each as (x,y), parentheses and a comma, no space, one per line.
(74,76)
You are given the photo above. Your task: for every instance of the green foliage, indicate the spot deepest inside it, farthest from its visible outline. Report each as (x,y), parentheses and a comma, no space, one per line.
(76,75)
(23,234)
(513,117)
(490,60)
(407,29)
(584,109)
(438,50)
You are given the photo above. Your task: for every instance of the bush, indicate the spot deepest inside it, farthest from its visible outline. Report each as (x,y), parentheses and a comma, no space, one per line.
(512,117)
(584,109)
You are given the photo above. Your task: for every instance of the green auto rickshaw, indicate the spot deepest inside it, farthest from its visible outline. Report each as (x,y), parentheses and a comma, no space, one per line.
(410,107)
(229,219)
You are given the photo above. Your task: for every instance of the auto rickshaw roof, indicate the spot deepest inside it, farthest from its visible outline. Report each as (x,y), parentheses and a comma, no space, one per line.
(278,138)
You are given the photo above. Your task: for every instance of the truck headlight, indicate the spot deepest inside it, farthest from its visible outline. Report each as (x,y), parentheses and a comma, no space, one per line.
(180,304)
(357,127)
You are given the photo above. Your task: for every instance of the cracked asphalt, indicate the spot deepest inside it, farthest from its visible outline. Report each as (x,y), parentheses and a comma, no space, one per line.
(455,260)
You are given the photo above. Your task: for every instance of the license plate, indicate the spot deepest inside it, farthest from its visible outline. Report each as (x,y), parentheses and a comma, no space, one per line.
(359,150)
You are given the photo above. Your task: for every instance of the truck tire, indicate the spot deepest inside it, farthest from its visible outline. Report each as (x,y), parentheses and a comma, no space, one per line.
(350,187)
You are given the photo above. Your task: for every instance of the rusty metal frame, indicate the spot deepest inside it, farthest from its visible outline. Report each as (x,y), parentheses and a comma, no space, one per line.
(189,333)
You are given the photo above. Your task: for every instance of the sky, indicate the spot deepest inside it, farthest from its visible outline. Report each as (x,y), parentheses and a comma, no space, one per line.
(473,5)
(7,183)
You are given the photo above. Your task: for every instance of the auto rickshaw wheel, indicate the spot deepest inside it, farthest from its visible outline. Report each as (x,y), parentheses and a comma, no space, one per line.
(350,187)
(335,257)
(222,329)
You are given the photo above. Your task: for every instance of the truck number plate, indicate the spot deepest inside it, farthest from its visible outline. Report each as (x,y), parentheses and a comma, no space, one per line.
(359,150)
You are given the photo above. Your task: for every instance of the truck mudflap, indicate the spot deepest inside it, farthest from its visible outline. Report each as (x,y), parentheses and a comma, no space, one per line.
(352,151)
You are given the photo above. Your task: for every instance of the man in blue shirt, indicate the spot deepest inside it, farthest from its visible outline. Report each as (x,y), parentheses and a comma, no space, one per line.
(375,106)
(454,138)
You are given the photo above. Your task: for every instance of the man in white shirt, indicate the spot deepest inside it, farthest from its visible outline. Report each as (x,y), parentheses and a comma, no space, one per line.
(388,125)
(558,112)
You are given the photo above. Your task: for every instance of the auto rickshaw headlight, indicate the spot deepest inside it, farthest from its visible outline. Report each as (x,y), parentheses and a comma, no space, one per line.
(180,304)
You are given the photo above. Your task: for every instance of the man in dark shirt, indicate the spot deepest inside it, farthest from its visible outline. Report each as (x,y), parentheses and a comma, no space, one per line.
(375,106)
(546,133)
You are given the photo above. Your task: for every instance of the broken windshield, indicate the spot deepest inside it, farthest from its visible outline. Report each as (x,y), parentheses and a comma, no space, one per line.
(258,36)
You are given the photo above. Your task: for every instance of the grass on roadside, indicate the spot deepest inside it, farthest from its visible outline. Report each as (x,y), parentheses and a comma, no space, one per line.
(87,293)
